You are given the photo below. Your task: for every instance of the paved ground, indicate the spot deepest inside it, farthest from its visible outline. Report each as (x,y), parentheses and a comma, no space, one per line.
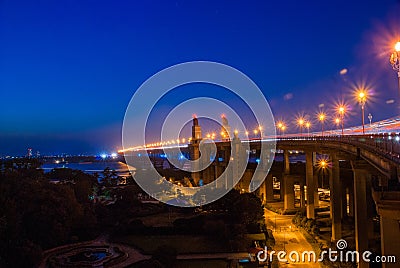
(288,238)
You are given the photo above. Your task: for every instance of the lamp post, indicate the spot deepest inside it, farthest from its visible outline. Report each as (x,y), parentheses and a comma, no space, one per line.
(300,122)
(321,118)
(323,165)
(362,99)
(341,111)
(395,61)
(337,121)
(308,125)
(283,130)
(280,125)
(255,131)
(370,119)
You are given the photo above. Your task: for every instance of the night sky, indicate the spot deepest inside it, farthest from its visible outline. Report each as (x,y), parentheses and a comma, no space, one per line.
(69,68)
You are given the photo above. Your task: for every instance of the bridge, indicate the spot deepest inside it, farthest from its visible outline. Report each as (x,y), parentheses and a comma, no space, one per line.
(374,161)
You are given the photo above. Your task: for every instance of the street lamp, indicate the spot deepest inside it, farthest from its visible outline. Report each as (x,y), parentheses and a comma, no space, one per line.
(370,119)
(308,125)
(323,164)
(255,133)
(342,110)
(283,130)
(337,121)
(300,122)
(395,61)
(280,125)
(362,99)
(321,118)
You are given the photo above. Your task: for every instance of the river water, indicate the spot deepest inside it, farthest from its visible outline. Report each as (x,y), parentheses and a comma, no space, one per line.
(90,167)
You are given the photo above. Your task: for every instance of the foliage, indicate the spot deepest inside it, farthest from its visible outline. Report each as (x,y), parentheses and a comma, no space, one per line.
(37,214)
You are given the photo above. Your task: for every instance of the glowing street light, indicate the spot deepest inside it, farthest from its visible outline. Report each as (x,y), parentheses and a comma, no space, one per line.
(395,61)
(308,125)
(255,133)
(300,123)
(337,121)
(283,130)
(323,164)
(321,118)
(362,99)
(280,125)
(341,111)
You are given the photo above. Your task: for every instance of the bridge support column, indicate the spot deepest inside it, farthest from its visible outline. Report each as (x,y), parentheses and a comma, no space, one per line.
(351,200)
(388,208)
(310,185)
(302,195)
(316,194)
(288,200)
(286,162)
(360,200)
(370,208)
(269,188)
(344,199)
(336,198)
(286,171)
(390,239)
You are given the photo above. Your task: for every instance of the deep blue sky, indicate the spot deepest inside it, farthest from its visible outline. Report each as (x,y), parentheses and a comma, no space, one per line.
(69,68)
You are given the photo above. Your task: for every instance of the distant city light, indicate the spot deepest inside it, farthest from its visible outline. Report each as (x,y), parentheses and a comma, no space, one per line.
(104,156)
(114,155)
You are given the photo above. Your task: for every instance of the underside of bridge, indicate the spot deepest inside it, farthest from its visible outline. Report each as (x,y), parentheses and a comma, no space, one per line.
(358,181)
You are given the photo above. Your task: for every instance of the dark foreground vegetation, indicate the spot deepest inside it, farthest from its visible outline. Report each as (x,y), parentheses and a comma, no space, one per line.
(40,211)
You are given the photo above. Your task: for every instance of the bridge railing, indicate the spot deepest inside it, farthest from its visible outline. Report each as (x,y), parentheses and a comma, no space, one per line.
(386,145)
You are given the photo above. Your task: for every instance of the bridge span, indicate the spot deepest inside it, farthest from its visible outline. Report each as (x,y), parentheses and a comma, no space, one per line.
(374,160)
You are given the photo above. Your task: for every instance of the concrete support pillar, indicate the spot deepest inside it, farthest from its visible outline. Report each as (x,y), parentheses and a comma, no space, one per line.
(351,200)
(316,194)
(390,236)
(282,187)
(302,195)
(286,162)
(288,199)
(286,171)
(269,188)
(370,208)
(336,198)
(344,200)
(388,208)
(360,200)
(310,185)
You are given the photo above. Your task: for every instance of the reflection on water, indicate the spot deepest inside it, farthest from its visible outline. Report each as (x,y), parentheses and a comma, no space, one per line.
(90,167)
